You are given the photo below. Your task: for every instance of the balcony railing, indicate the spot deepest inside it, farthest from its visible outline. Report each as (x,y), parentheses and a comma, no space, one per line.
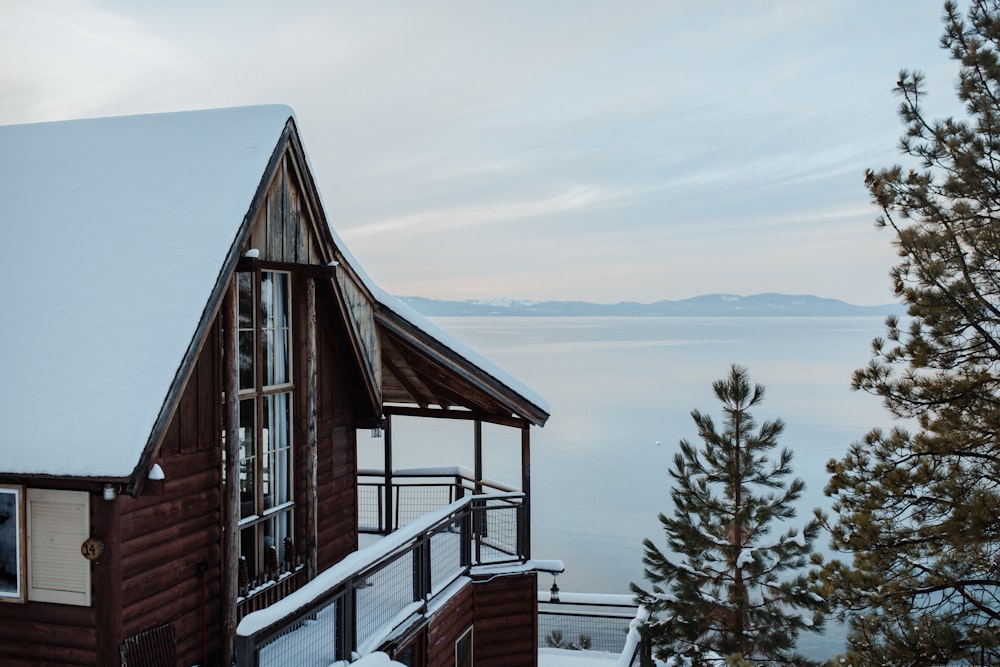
(582,621)
(413,493)
(355,604)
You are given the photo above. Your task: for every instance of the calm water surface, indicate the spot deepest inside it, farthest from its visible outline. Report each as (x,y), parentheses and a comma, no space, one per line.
(621,392)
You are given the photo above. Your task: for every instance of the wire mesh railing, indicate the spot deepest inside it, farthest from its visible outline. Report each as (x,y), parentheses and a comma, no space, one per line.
(585,622)
(353,605)
(414,493)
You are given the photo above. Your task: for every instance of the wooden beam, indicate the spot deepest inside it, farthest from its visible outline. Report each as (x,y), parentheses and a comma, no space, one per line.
(415,393)
(468,415)
(231,490)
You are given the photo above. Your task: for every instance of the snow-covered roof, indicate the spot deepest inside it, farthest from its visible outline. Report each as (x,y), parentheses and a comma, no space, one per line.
(117,231)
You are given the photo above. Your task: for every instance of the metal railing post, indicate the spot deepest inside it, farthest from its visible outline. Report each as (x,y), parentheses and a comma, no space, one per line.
(247,654)
(466,539)
(522,529)
(346,628)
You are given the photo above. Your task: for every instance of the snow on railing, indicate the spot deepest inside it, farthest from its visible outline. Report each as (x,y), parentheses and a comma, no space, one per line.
(413,493)
(350,606)
(584,621)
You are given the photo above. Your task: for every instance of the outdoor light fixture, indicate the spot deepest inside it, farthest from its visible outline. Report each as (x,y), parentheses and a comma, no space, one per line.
(109,492)
(554,591)
(377,429)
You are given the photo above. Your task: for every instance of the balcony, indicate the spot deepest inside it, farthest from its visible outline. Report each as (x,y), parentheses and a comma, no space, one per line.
(436,527)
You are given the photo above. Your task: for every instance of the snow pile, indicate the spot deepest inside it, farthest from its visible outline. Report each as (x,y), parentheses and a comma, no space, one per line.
(370,660)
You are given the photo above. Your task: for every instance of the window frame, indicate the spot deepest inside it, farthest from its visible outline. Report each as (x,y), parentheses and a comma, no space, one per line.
(470,651)
(268,451)
(18,543)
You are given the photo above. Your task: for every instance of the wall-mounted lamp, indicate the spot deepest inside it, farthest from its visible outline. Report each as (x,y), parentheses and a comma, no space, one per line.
(377,429)
(109,492)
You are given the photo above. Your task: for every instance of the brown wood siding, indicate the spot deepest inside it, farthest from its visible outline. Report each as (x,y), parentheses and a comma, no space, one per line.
(445,627)
(506,625)
(282,230)
(175,525)
(47,634)
(336,469)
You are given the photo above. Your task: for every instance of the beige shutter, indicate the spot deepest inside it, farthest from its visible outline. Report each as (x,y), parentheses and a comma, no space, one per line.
(58,524)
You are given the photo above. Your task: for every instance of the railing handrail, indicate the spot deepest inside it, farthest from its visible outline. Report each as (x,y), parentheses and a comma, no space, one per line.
(258,628)
(442,472)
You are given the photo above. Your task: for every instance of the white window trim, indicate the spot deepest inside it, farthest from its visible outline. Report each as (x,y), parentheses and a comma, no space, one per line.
(14,528)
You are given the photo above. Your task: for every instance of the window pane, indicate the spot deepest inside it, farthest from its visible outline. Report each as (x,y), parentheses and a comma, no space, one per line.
(248,552)
(247,317)
(281,301)
(248,459)
(276,347)
(276,530)
(275,328)
(277,450)
(463,650)
(246,307)
(267,299)
(247,355)
(10,543)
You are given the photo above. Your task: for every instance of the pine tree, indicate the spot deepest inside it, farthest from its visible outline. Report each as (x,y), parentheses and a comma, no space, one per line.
(919,505)
(721,589)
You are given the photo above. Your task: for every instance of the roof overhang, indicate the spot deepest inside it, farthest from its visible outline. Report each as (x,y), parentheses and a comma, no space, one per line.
(420,371)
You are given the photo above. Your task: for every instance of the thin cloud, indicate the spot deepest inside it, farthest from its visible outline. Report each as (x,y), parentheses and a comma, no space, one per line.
(480,214)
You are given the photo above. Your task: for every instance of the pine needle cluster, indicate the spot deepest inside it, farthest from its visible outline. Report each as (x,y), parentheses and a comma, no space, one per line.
(919,505)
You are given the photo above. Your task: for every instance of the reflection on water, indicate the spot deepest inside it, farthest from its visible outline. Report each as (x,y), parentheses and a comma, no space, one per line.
(618,387)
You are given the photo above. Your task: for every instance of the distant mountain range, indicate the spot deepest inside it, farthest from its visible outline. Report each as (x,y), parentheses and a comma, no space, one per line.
(708,305)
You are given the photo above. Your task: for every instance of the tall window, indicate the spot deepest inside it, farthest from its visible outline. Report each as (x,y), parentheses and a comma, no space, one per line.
(267,503)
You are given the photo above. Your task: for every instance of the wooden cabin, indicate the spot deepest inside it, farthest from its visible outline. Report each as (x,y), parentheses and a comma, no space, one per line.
(189,351)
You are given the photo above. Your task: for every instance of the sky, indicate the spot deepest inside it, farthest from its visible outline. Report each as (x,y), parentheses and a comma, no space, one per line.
(558,150)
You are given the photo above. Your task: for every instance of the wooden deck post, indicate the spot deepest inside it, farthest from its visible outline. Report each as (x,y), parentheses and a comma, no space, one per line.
(526,486)
(479,456)
(231,490)
(387,434)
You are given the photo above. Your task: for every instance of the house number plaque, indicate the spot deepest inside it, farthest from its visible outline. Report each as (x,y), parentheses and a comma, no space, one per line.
(92,549)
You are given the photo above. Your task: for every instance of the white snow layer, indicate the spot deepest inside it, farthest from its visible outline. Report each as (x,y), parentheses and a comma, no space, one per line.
(371,660)
(117,230)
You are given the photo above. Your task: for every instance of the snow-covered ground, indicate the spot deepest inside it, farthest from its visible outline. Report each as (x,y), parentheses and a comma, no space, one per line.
(547,657)
(559,657)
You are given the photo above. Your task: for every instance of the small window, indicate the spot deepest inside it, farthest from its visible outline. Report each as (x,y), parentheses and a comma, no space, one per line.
(463,649)
(58,523)
(11,543)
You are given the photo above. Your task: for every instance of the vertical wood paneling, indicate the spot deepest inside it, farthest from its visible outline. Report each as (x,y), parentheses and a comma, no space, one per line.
(275,219)
(303,230)
(290,218)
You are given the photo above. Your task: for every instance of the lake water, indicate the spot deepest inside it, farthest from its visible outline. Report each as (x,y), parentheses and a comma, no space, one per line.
(619,386)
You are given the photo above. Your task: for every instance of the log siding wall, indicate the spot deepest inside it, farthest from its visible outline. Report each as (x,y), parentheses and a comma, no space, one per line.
(506,625)
(446,626)
(175,526)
